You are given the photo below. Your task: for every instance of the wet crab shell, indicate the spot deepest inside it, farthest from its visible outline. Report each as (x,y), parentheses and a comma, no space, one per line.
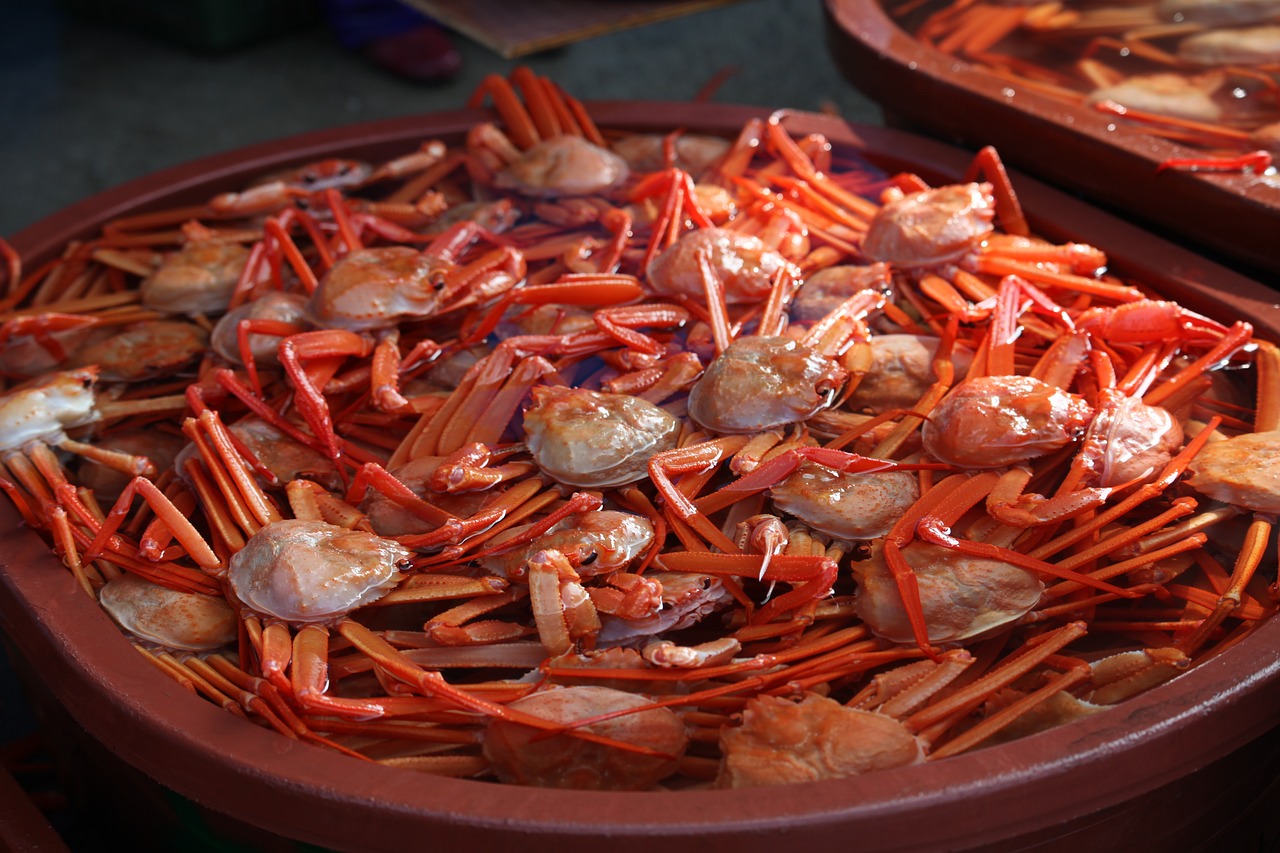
(1244,471)
(693,152)
(1166,94)
(307,572)
(595,439)
(596,543)
(762,382)
(901,372)
(142,351)
(993,421)
(745,266)
(374,288)
(274,305)
(1247,46)
(930,227)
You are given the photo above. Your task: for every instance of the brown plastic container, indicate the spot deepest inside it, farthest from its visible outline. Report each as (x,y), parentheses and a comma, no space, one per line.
(1235,216)
(1172,769)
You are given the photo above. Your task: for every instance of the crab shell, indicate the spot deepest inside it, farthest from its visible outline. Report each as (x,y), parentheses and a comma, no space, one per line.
(308,572)
(183,621)
(594,439)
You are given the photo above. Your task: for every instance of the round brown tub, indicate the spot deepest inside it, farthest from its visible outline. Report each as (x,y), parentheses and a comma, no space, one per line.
(1168,770)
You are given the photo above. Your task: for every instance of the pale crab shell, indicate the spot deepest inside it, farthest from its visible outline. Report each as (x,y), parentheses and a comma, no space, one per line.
(992,421)
(1245,46)
(43,409)
(274,305)
(1167,94)
(147,350)
(962,596)
(598,542)
(743,263)
(1244,471)
(308,572)
(529,756)
(782,742)
(375,288)
(930,227)
(846,505)
(183,621)
(902,371)
(564,166)
(197,279)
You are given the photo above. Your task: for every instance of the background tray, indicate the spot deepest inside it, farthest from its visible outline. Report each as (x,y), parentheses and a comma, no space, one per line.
(1234,216)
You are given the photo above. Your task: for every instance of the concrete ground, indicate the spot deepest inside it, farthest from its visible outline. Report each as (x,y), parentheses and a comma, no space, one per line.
(85,106)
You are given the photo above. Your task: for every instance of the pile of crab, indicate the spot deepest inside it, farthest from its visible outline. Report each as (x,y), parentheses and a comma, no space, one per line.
(594,460)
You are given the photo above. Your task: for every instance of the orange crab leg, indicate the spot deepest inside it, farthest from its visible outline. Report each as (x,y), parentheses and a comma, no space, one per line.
(818,574)
(279,241)
(1144,493)
(903,531)
(492,403)
(577,503)
(1237,336)
(568,289)
(227,380)
(247,327)
(181,526)
(469,468)
(520,124)
(1207,134)
(1255,161)
(936,531)
(620,323)
(431,684)
(540,102)
(1008,503)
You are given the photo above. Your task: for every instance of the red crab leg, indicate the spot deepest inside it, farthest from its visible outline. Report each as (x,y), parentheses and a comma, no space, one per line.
(327,344)
(987,164)
(182,528)
(568,289)
(373,475)
(1257,161)
(818,574)
(699,459)
(902,533)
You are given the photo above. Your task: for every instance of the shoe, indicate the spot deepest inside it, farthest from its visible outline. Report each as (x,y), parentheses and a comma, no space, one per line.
(424,54)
